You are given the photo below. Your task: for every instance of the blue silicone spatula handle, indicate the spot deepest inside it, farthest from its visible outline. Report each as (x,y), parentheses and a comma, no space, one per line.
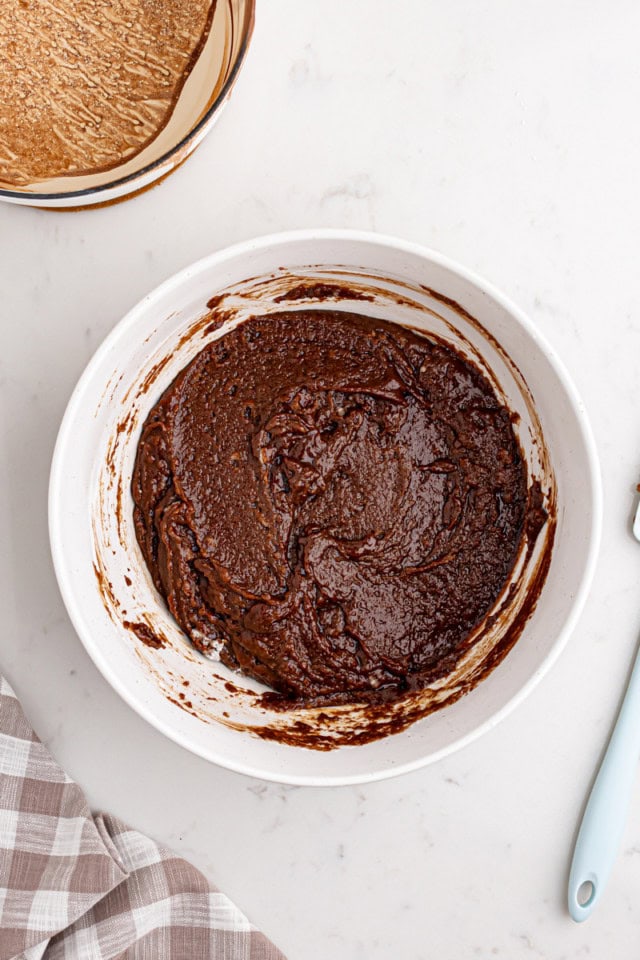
(605,814)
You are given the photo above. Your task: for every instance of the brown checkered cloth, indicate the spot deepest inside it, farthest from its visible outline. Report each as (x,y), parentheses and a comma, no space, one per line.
(78,887)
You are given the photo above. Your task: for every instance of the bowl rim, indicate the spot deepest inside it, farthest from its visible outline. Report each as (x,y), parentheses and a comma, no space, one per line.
(165,157)
(243,248)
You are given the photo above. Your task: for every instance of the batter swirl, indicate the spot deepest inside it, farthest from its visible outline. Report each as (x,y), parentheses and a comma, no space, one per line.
(330,503)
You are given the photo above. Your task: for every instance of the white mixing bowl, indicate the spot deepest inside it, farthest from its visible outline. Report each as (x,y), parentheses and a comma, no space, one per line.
(100,569)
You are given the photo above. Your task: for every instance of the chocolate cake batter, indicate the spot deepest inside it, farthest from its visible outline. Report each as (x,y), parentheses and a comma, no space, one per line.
(331,504)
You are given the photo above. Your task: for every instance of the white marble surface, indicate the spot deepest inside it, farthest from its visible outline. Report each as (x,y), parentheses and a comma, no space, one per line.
(504,135)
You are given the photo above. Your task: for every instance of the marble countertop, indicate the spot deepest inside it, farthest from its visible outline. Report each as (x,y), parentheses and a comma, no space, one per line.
(503,136)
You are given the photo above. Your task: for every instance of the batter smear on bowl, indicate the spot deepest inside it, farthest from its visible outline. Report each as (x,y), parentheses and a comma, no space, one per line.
(331,504)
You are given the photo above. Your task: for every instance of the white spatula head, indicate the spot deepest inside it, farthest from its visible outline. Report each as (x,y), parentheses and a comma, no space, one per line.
(636,522)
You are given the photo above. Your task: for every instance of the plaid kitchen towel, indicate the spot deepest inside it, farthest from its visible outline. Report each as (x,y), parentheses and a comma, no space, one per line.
(78,887)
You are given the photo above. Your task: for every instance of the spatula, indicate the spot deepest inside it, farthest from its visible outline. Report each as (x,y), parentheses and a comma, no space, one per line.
(605,815)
